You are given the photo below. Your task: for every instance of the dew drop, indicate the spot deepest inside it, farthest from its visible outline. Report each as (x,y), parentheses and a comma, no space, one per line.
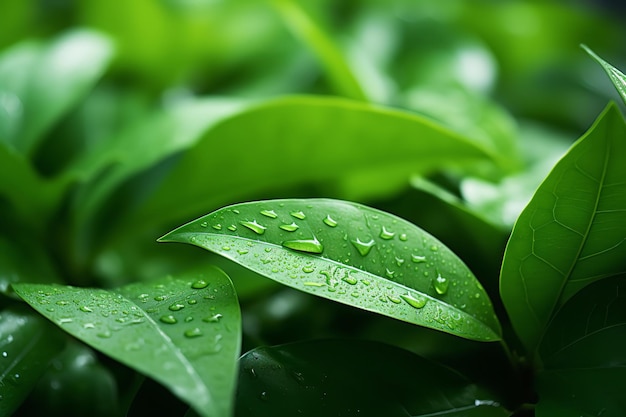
(217,226)
(235,211)
(168,319)
(403,237)
(204,224)
(176,307)
(441,285)
(350,280)
(5,354)
(188,319)
(160,298)
(418,259)
(199,284)
(85,309)
(62,303)
(399,261)
(363,247)
(269,213)
(394,299)
(242,251)
(232,227)
(213,319)
(329,221)
(434,248)
(105,334)
(263,396)
(386,234)
(304,245)
(65,320)
(416,302)
(289,227)
(254,226)
(192,301)
(195,332)
(313,284)
(226,248)
(389,273)
(298,215)
(308,269)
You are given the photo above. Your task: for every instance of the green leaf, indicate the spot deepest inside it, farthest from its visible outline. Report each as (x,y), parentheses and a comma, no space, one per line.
(27,345)
(323,46)
(351,254)
(584,354)
(298,140)
(617,77)
(40,83)
(571,233)
(183,332)
(343,378)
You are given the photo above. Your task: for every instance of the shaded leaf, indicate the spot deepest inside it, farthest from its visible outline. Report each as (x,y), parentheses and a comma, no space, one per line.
(352,254)
(343,378)
(572,231)
(183,332)
(617,77)
(584,354)
(298,140)
(39,83)
(27,345)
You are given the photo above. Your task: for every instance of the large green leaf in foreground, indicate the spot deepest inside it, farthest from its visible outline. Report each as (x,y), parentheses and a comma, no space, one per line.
(343,378)
(584,354)
(183,332)
(352,254)
(572,233)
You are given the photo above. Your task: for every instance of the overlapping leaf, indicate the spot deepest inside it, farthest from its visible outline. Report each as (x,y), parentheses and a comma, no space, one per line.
(572,233)
(343,378)
(183,332)
(617,77)
(584,354)
(352,254)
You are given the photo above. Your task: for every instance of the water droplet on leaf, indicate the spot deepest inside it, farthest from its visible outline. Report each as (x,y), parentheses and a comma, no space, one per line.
(254,226)
(416,302)
(329,221)
(176,307)
(217,226)
(232,227)
(304,245)
(168,319)
(195,332)
(350,280)
(363,247)
(289,227)
(403,237)
(298,215)
(199,284)
(418,259)
(441,285)
(386,234)
(213,319)
(269,213)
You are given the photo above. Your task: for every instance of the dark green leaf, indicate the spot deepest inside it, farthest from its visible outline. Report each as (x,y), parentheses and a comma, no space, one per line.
(584,354)
(40,83)
(27,344)
(572,232)
(183,332)
(344,378)
(617,77)
(298,140)
(352,254)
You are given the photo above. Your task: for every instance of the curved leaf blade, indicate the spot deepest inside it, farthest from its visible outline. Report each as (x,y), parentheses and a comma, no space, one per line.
(351,254)
(584,354)
(339,378)
(292,136)
(616,76)
(58,75)
(27,345)
(572,232)
(183,332)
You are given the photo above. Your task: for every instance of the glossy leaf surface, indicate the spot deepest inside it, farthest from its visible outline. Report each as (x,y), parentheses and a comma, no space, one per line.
(572,232)
(344,378)
(183,332)
(617,77)
(352,254)
(27,345)
(292,144)
(584,354)
(40,83)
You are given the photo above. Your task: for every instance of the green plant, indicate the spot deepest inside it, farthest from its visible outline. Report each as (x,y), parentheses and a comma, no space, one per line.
(95,321)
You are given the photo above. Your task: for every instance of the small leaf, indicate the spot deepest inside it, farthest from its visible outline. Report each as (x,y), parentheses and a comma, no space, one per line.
(183,332)
(27,345)
(571,233)
(344,378)
(352,254)
(584,354)
(42,82)
(617,77)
